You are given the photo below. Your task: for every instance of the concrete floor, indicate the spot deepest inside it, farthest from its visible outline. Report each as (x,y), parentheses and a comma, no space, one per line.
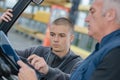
(21,41)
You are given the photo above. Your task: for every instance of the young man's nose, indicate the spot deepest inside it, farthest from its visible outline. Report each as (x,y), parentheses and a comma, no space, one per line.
(56,38)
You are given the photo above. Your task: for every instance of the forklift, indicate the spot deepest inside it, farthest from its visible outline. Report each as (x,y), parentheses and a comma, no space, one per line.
(8,57)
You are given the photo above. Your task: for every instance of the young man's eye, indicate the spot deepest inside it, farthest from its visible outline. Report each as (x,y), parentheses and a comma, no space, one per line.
(62,35)
(51,34)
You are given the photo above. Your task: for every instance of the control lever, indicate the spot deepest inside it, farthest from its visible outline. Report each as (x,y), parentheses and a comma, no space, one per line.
(17,11)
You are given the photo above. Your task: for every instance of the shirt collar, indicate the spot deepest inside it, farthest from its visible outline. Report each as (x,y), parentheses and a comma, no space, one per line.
(109,38)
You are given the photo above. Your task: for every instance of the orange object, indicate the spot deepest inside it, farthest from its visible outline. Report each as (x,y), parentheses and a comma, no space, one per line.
(46,41)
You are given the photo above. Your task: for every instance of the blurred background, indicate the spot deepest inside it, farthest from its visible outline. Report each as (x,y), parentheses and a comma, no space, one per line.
(31,28)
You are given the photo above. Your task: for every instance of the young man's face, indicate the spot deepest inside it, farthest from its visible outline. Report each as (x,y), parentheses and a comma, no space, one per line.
(60,38)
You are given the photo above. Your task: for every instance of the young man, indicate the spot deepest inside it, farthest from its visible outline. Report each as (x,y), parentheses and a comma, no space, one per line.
(58,57)
(104,26)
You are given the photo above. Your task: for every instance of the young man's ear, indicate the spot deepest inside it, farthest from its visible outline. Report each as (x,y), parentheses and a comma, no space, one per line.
(72,38)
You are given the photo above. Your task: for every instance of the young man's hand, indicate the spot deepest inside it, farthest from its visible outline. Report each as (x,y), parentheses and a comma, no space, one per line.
(25,72)
(6,16)
(38,63)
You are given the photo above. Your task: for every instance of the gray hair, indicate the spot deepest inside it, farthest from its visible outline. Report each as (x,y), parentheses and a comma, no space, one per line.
(112,4)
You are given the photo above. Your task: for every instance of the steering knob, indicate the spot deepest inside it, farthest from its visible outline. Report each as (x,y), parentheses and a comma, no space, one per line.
(6,71)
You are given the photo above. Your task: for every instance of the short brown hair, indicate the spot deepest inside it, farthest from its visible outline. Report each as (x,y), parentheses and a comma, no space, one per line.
(64,21)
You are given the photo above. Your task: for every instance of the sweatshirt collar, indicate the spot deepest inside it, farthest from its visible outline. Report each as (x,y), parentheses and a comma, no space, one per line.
(68,54)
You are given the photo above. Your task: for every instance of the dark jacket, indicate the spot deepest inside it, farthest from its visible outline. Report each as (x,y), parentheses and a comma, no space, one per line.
(91,68)
(57,65)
